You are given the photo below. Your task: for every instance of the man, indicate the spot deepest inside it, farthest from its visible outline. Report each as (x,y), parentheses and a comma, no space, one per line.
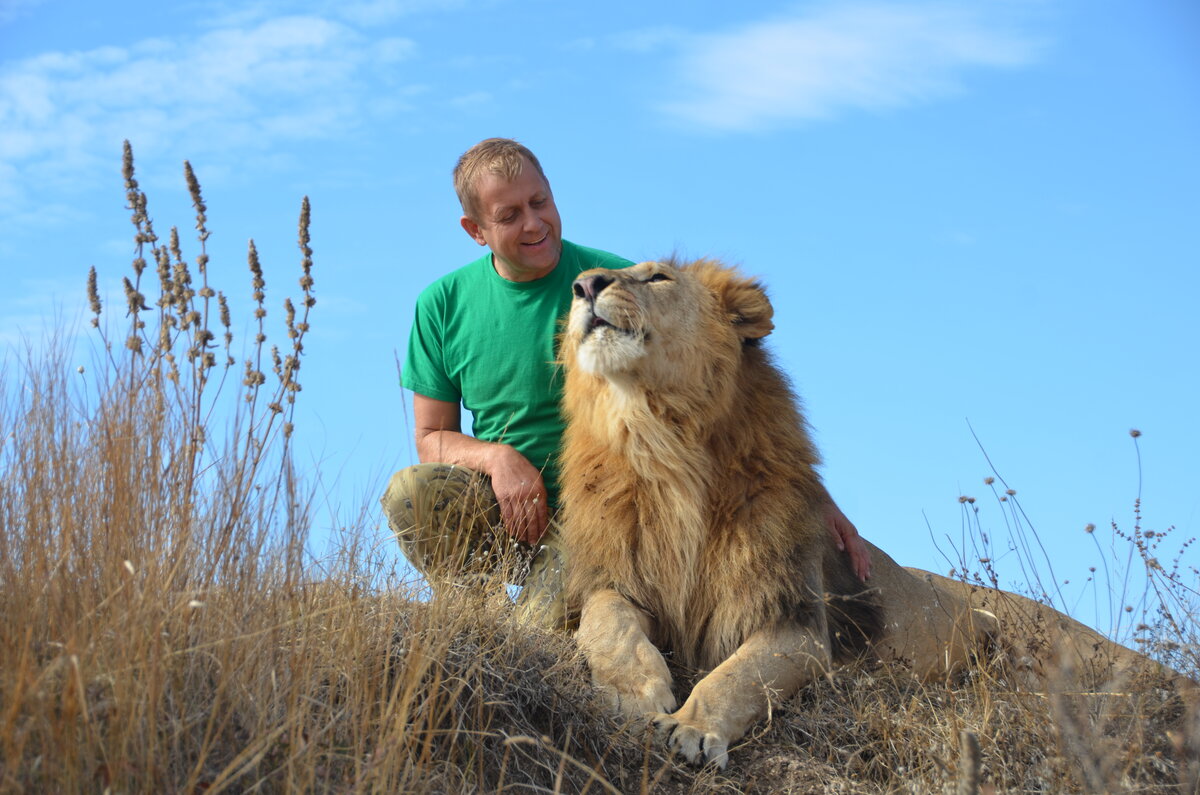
(483,335)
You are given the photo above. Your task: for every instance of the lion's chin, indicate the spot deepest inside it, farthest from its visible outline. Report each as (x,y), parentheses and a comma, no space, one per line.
(607,352)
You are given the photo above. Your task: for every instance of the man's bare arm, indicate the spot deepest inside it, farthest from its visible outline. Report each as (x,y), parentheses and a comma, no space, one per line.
(846,537)
(517,483)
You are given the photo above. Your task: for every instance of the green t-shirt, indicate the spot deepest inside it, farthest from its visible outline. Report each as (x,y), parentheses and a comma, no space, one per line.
(489,343)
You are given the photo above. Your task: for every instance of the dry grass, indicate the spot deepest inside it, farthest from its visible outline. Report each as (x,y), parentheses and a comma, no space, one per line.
(160,630)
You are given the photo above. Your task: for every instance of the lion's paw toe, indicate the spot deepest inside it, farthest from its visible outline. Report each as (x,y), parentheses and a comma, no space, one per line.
(692,743)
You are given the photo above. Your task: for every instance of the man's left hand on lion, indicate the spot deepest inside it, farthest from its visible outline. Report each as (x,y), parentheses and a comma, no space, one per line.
(846,539)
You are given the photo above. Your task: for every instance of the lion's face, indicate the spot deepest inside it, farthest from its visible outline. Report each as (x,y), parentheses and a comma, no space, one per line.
(617,316)
(657,323)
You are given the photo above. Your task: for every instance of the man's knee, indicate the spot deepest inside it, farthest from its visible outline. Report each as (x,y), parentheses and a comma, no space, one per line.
(440,513)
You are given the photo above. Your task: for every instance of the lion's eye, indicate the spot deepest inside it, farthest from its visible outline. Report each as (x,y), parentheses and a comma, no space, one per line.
(659,277)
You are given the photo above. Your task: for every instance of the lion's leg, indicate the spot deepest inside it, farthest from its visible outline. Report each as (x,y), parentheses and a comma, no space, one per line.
(935,631)
(772,663)
(614,637)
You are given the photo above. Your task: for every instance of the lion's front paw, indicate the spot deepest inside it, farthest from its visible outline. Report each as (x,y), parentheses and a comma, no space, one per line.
(641,703)
(692,742)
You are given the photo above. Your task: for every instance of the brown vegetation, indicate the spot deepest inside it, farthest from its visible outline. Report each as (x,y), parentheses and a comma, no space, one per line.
(161,631)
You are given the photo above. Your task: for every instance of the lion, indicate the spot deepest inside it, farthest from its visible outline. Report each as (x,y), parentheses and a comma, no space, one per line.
(692,520)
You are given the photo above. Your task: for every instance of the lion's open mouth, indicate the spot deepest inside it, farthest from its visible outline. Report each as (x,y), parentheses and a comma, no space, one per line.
(598,322)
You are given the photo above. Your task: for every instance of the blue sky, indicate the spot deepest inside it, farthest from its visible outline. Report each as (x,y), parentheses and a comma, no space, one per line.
(965,212)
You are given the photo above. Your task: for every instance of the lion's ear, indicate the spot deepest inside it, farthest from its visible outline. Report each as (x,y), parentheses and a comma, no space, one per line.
(743,300)
(748,308)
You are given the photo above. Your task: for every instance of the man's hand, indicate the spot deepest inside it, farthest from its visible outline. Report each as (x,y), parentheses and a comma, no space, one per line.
(846,537)
(521,493)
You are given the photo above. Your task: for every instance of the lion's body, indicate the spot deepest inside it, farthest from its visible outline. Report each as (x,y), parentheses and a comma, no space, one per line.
(693,517)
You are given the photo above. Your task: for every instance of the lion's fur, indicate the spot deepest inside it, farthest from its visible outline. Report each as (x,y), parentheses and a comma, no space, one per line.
(693,519)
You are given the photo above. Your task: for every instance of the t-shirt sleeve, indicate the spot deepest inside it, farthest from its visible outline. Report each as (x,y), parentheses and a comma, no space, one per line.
(424,370)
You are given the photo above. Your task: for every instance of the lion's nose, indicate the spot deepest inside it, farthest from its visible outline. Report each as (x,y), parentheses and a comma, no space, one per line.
(590,286)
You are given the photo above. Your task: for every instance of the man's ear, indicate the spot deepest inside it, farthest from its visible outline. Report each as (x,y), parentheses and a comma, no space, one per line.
(472,229)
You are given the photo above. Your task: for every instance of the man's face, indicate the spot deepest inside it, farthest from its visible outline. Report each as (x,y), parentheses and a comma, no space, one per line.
(519,223)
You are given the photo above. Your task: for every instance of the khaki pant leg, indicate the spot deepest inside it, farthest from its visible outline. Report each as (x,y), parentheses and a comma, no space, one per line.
(446,520)
(542,600)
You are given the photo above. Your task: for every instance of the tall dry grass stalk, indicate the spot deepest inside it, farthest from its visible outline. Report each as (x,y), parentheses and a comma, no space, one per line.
(161,631)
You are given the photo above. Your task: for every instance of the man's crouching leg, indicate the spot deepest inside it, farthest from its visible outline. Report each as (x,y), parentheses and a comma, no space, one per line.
(446,521)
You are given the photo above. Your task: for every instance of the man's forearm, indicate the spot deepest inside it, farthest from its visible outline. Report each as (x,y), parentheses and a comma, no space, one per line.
(453,447)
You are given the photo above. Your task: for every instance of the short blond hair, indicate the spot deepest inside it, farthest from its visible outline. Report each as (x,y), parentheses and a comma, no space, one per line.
(501,156)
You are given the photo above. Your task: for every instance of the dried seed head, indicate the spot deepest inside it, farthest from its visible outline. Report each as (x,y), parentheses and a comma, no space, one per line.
(306,263)
(1090,528)
(93,295)
(989,481)
(127,167)
(197,202)
(1135,433)
(135,300)
(163,266)
(253,377)
(256,269)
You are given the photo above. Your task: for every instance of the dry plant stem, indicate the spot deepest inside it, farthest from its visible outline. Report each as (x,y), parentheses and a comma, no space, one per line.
(968,764)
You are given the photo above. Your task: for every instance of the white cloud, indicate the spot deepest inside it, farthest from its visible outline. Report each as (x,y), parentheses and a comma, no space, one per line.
(379,12)
(231,90)
(816,64)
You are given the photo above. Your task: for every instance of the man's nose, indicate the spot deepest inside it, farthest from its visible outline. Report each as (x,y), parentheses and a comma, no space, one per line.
(531,222)
(591,286)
